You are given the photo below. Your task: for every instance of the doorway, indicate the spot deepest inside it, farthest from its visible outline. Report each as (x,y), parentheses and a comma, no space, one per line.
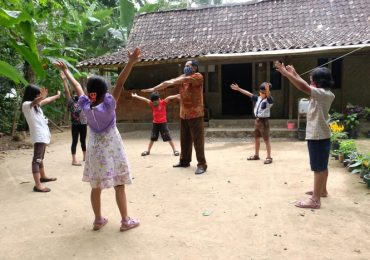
(234,103)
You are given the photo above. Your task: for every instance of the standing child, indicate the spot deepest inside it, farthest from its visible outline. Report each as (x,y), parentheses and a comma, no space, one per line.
(158,106)
(78,122)
(263,104)
(33,99)
(106,163)
(317,129)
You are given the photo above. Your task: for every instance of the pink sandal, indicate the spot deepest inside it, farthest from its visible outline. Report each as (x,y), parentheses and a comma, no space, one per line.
(308,204)
(100,223)
(129,224)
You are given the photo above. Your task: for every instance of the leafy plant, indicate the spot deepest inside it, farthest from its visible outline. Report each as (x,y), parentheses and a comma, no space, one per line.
(346,147)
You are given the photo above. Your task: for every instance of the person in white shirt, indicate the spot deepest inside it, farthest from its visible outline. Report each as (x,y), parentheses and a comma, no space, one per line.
(262,106)
(317,129)
(33,99)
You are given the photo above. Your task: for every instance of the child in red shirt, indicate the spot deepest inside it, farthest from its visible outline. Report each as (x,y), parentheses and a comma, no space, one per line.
(158,106)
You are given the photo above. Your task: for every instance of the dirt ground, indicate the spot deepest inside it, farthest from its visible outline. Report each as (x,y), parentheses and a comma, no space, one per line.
(238,209)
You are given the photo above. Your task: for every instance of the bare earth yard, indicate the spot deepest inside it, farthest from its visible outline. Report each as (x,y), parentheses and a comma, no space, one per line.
(237,210)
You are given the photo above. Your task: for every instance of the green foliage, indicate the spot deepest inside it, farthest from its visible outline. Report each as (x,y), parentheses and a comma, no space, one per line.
(346,147)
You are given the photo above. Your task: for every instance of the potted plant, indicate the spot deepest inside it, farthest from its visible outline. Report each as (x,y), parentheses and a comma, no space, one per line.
(337,135)
(351,119)
(367,179)
(365,165)
(346,147)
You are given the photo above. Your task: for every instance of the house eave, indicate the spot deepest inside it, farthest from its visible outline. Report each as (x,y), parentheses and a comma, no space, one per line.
(274,53)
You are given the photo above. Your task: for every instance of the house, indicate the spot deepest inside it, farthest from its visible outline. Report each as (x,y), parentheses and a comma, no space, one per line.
(238,43)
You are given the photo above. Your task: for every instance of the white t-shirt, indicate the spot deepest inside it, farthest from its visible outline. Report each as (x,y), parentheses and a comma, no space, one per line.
(318,114)
(37,123)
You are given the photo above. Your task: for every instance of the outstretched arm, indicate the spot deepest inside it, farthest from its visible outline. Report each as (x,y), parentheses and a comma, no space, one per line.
(290,73)
(132,59)
(48,100)
(134,95)
(75,84)
(65,85)
(172,97)
(175,81)
(243,91)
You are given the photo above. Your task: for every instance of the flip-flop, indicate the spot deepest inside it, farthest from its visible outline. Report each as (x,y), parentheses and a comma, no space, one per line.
(310,192)
(76,164)
(176,153)
(310,205)
(268,160)
(35,189)
(100,223)
(253,158)
(145,153)
(47,179)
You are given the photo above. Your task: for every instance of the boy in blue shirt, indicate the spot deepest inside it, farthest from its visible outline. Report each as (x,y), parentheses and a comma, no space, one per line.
(262,106)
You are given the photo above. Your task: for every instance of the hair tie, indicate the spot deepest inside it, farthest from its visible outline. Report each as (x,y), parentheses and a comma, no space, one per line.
(92,96)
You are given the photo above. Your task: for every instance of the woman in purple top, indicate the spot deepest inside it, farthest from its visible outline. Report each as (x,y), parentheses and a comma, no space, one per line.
(106,161)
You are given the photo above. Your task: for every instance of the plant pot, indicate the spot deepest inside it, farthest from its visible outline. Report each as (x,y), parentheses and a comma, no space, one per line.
(367,179)
(334,145)
(290,125)
(363,173)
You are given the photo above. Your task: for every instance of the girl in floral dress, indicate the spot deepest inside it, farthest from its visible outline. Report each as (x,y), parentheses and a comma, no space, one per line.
(106,161)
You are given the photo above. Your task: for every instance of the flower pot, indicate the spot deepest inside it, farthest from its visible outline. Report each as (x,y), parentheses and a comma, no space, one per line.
(334,145)
(290,125)
(367,179)
(363,173)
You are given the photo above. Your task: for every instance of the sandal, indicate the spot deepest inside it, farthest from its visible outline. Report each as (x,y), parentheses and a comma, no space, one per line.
(308,204)
(253,158)
(129,224)
(310,192)
(35,189)
(176,153)
(76,164)
(100,223)
(47,179)
(145,153)
(268,160)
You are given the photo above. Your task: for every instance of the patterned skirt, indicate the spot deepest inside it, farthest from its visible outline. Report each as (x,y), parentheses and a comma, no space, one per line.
(106,163)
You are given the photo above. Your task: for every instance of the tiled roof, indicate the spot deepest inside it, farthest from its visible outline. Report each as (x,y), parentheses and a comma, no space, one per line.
(240,28)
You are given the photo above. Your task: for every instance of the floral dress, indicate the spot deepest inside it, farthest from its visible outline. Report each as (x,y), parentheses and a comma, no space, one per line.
(106,163)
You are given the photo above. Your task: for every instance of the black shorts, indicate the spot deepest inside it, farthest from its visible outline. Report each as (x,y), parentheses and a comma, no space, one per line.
(319,151)
(160,128)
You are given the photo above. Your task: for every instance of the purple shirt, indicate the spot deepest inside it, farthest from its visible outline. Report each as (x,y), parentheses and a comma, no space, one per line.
(102,116)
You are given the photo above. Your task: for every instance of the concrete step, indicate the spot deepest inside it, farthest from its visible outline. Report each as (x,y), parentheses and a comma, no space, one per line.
(124,127)
(249,133)
(246,123)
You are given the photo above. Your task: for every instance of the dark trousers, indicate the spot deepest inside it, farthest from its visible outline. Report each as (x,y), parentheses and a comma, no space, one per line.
(78,130)
(192,131)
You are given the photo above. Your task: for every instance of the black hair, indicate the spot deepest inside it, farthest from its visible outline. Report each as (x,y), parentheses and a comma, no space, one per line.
(322,77)
(98,85)
(154,96)
(30,93)
(262,86)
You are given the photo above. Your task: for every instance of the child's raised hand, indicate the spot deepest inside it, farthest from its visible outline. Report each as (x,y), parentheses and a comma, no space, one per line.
(61,65)
(134,56)
(291,69)
(234,86)
(58,94)
(134,95)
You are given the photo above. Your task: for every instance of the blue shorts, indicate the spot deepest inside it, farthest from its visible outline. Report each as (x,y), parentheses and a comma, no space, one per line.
(319,151)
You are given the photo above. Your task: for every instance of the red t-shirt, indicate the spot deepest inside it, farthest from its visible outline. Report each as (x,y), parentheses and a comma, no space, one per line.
(159,112)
